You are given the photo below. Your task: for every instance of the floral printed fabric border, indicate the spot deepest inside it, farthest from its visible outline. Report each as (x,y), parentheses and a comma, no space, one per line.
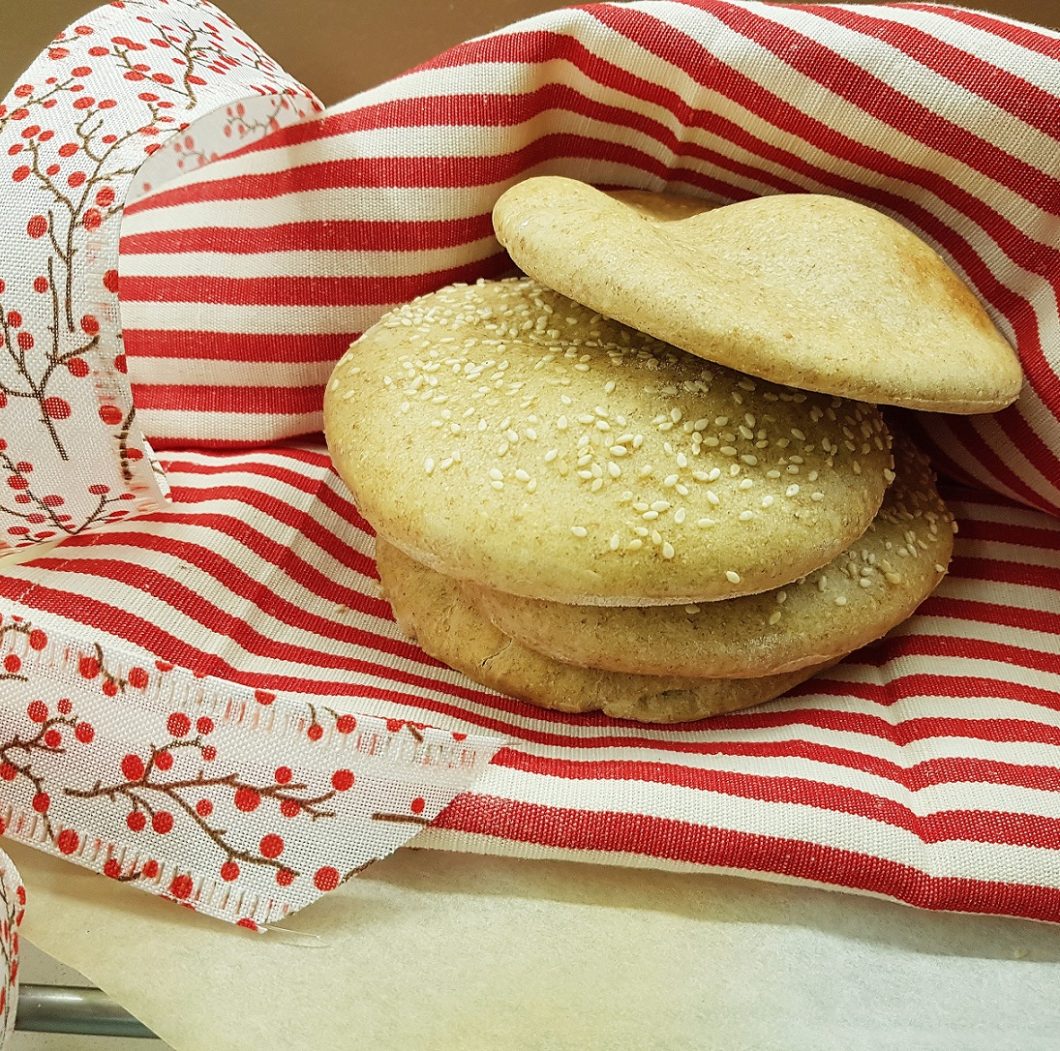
(236,802)
(105,113)
(243,804)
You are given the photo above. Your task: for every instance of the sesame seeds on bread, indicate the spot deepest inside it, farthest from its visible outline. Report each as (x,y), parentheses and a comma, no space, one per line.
(502,434)
(432,609)
(859,596)
(808,290)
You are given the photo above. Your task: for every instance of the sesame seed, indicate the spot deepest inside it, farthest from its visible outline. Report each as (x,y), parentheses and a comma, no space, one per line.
(704,523)
(712,498)
(792,490)
(865,582)
(615,540)
(613,469)
(749,459)
(817,497)
(822,583)
(774,617)
(746,516)
(782,597)
(597,485)
(732,576)
(745,484)
(551,455)
(670,480)
(618,450)
(635,544)
(727,450)
(668,550)
(767,501)
(888,475)
(579,531)
(642,531)
(939,567)
(428,465)
(679,515)
(497,485)
(840,600)
(682,460)
(522,475)
(691,610)
(496,474)
(650,515)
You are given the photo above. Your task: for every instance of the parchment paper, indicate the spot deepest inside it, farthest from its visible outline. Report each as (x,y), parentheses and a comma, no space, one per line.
(436,950)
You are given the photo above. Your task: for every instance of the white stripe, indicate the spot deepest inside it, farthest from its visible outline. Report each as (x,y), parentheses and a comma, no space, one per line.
(317,263)
(1014,596)
(180,425)
(227,372)
(218,317)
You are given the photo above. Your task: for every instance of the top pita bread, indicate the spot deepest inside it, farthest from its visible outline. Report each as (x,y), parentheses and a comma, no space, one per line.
(806,290)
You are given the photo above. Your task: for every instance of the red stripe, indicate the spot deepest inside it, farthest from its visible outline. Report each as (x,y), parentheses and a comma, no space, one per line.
(322,235)
(295,290)
(1008,827)
(928,645)
(258,348)
(991,613)
(1008,533)
(243,400)
(951,687)
(398,172)
(706,845)
(999,571)
(1009,92)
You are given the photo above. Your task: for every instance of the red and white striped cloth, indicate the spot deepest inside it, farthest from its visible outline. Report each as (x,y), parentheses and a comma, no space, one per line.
(925,768)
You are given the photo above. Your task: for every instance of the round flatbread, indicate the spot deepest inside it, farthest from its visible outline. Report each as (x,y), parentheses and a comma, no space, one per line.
(503,434)
(433,610)
(857,597)
(813,291)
